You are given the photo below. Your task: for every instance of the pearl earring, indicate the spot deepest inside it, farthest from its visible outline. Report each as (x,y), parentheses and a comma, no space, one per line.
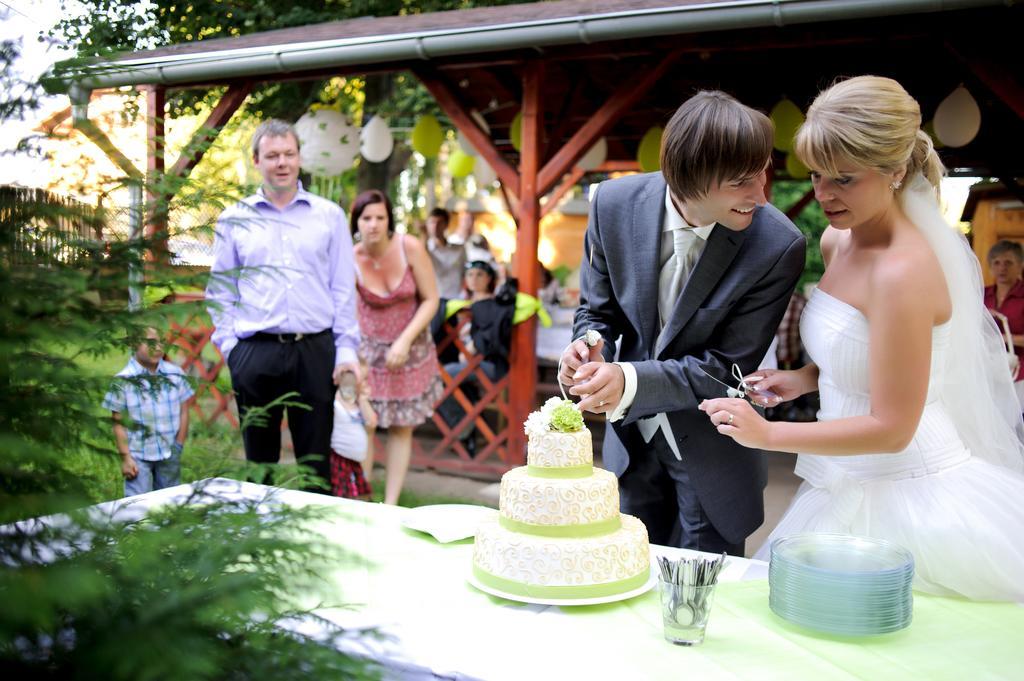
(895,185)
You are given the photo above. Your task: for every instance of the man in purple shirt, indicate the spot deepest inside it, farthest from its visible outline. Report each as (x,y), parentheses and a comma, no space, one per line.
(282,294)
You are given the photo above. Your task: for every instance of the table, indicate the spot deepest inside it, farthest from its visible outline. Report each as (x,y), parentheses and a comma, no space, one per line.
(438,626)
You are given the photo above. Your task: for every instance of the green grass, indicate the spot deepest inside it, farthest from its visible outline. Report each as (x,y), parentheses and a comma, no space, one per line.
(410,499)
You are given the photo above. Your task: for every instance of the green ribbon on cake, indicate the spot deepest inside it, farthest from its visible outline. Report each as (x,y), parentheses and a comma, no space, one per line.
(515,588)
(595,529)
(562,472)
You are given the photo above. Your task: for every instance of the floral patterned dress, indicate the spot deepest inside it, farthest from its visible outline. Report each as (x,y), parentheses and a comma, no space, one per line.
(405,396)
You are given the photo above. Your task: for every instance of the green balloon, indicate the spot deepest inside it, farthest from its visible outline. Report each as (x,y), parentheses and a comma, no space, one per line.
(648,155)
(460,164)
(787,118)
(796,168)
(515,133)
(427,136)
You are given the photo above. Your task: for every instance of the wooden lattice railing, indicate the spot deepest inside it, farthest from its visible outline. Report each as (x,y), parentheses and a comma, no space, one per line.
(494,457)
(200,358)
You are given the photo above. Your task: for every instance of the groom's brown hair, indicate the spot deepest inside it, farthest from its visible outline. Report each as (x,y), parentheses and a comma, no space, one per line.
(713,138)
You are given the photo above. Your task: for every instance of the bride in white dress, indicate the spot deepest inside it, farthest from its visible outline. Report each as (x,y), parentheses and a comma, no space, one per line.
(919,439)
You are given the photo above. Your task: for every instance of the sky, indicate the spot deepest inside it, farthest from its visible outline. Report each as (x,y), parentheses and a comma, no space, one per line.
(25,19)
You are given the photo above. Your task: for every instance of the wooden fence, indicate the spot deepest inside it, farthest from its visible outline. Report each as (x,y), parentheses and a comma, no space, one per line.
(45,227)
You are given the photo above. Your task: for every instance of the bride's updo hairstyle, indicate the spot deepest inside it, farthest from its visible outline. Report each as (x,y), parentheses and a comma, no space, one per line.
(871,122)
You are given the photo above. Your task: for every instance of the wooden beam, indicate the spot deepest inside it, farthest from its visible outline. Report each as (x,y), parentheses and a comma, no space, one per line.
(568,182)
(996,76)
(563,119)
(619,167)
(101,140)
(458,112)
(798,207)
(511,203)
(1013,187)
(208,131)
(600,123)
(523,373)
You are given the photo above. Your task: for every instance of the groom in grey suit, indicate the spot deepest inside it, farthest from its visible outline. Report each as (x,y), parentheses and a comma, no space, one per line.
(686,272)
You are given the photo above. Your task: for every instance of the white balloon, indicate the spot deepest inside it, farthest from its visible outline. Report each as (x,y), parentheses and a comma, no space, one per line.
(461,139)
(484,174)
(376,140)
(958,118)
(597,155)
(329,142)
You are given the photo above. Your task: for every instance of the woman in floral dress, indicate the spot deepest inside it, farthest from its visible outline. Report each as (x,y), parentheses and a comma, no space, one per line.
(397,298)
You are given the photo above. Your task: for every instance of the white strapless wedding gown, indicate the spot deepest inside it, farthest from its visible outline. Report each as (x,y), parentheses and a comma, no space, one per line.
(961,517)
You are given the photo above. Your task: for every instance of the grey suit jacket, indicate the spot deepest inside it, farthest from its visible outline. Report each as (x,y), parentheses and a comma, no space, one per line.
(728,313)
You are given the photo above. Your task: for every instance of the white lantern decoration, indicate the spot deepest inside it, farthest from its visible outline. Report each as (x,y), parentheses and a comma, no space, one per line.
(376,142)
(329,142)
(958,118)
(484,174)
(464,143)
(597,155)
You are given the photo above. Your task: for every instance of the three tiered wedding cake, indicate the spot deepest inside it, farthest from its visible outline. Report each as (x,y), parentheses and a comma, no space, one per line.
(559,533)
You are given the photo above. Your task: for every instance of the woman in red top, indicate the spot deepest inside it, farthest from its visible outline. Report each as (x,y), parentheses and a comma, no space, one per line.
(397,296)
(1006,296)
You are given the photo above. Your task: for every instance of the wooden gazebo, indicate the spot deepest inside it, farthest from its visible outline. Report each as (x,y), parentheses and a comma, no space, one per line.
(578,70)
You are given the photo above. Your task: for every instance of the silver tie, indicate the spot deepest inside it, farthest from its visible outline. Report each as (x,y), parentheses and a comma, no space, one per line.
(675,271)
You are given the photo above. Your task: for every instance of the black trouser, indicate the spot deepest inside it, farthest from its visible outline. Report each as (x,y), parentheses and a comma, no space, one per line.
(263,368)
(657,489)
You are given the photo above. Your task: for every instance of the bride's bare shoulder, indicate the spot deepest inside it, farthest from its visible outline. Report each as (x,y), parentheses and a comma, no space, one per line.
(910,267)
(828,243)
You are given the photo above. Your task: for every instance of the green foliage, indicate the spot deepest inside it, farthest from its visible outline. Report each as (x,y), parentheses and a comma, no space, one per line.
(200,590)
(190,591)
(811,221)
(124,25)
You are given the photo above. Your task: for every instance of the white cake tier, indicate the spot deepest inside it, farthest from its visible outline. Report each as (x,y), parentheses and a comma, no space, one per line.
(591,502)
(560,450)
(551,567)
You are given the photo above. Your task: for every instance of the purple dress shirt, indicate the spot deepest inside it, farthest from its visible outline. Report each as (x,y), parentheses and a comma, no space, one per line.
(287,270)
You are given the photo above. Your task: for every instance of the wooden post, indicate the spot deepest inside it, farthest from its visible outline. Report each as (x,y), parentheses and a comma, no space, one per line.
(523,375)
(157,203)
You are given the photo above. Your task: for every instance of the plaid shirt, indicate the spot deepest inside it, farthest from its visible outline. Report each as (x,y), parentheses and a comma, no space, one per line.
(791,349)
(153,407)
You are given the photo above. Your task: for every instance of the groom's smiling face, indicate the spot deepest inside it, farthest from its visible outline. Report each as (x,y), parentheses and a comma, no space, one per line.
(730,203)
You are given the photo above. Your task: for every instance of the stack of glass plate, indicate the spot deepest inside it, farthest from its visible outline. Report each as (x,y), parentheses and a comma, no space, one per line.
(841,584)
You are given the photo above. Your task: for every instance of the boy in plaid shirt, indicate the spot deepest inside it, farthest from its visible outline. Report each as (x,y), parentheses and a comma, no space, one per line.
(154,394)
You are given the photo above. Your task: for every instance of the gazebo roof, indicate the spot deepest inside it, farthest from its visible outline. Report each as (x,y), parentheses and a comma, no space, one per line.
(760,50)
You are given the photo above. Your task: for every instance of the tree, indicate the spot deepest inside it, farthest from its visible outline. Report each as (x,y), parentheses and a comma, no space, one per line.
(190,591)
(121,25)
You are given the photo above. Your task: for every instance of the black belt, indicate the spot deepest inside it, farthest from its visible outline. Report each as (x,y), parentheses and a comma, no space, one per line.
(287,337)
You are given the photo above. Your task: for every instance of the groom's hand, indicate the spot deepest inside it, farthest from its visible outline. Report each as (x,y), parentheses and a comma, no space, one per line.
(601,384)
(576,355)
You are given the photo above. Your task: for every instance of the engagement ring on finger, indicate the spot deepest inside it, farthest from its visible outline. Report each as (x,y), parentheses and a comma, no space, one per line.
(731,417)
(601,403)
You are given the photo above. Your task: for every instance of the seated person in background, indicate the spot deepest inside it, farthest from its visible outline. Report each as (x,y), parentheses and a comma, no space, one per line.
(1006,296)
(449,258)
(476,244)
(352,437)
(550,289)
(489,334)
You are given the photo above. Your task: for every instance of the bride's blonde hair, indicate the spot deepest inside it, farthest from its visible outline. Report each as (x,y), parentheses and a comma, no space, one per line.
(871,122)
